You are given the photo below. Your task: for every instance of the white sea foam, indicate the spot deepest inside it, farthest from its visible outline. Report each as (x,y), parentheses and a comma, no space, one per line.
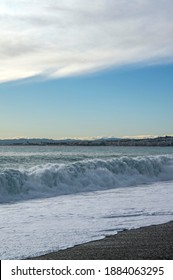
(36,227)
(50,180)
(109,188)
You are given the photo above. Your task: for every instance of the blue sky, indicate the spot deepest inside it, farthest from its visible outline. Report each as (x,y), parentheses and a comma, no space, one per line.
(83,70)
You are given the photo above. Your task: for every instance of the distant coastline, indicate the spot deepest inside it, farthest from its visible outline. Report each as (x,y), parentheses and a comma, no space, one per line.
(165,141)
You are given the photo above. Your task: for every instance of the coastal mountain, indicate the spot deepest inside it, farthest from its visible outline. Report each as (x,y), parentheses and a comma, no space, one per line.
(157,141)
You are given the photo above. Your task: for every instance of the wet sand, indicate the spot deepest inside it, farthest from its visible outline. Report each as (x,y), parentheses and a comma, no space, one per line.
(150,243)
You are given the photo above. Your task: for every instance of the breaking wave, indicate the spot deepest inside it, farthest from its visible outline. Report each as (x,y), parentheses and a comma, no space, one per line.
(83,176)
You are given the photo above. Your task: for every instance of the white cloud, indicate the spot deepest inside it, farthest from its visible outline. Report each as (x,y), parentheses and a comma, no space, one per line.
(62,38)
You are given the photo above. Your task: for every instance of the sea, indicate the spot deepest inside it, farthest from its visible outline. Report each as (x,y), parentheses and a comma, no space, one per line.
(55,197)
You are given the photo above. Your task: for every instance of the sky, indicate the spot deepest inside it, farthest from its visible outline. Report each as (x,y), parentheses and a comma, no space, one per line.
(83,69)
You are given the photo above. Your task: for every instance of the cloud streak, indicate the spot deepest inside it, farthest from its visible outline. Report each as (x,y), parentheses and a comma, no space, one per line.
(64,38)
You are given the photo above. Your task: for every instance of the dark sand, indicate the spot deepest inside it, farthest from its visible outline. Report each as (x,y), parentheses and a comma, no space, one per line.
(148,243)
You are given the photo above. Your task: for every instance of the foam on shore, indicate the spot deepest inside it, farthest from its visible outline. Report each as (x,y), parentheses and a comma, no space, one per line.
(150,243)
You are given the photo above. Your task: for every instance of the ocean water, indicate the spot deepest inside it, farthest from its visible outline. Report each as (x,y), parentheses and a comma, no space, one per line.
(55,197)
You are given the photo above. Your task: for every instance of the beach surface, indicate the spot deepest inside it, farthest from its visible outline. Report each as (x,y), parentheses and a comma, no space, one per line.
(150,243)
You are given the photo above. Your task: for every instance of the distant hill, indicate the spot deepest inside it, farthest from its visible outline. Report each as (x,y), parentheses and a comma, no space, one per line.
(157,141)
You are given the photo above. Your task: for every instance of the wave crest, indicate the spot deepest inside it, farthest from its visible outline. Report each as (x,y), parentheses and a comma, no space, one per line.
(83,176)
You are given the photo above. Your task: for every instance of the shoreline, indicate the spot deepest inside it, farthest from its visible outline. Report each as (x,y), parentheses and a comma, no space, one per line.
(145,243)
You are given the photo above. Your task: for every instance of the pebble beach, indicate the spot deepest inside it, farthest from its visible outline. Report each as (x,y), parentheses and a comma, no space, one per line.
(145,243)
